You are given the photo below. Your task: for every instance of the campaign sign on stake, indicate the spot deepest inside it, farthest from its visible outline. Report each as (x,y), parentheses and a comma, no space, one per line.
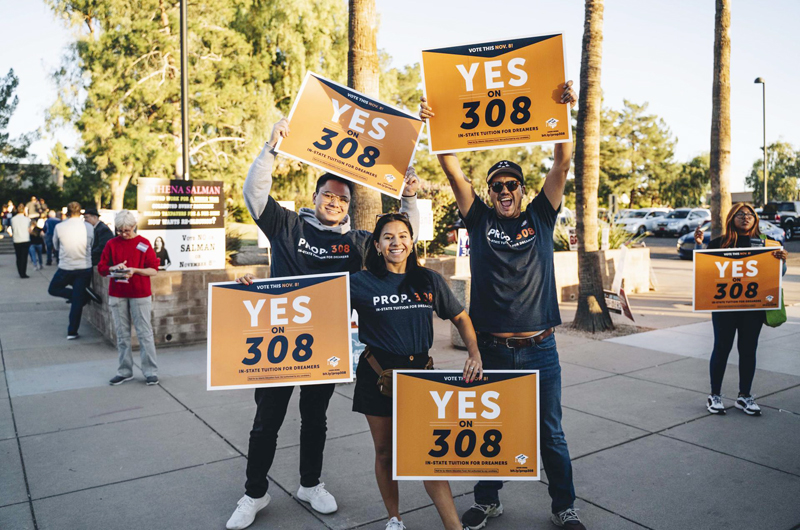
(352,135)
(737,279)
(279,332)
(497,94)
(446,429)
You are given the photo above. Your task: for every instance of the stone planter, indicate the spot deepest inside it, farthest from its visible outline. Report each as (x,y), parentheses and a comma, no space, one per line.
(636,276)
(180,304)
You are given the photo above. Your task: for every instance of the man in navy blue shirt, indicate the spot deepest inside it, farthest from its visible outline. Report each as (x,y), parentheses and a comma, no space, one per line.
(514,306)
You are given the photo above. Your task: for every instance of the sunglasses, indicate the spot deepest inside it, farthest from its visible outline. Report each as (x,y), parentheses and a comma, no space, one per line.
(510,185)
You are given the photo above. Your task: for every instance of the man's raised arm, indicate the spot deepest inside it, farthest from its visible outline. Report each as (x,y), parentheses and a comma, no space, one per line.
(258,183)
(462,189)
(562,158)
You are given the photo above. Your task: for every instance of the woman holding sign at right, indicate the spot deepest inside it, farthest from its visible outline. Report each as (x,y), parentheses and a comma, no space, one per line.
(395,299)
(741,231)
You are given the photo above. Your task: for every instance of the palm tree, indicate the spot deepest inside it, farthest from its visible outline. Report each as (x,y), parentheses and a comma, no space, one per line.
(363,75)
(592,314)
(720,165)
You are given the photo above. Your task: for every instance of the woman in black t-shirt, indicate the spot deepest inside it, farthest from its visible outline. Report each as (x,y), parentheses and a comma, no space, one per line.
(161,253)
(395,299)
(741,229)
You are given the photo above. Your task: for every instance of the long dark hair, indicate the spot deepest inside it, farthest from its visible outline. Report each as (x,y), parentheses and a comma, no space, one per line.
(730,235)
(417,276)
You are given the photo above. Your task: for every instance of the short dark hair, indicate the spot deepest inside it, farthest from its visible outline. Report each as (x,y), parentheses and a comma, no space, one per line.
(330,176)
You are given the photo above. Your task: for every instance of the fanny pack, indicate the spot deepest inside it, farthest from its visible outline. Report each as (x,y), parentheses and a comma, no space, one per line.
(385,376)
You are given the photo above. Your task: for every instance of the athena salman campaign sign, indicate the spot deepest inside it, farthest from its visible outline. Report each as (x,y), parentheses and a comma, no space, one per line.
(184,220)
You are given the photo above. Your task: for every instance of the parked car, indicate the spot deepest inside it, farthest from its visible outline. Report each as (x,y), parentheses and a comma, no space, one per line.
(641,221)
(686,242)
(785,214)
(681,221)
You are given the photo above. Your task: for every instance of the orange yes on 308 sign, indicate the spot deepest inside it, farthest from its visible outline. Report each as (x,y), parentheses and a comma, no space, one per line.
(497,94)
(737,279)
(279,332)
(447,429)
(342,131)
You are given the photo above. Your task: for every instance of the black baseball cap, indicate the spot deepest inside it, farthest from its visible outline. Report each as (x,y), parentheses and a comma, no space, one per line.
(505,166)
(91,211)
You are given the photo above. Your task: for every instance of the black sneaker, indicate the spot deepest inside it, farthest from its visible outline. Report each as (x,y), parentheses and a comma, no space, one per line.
(151,380)
(118,380)
(567,519)
(93,296)
(475,518)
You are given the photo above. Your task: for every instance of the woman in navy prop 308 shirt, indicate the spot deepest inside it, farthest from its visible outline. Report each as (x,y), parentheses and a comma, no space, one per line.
(395,299)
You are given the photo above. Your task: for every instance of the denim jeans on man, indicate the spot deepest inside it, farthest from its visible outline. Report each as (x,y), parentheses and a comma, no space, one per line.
(48,243)
(554,451)
(60,286)
(137,311)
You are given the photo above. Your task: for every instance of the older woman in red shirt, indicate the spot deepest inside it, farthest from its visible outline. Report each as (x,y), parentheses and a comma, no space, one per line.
(130,260)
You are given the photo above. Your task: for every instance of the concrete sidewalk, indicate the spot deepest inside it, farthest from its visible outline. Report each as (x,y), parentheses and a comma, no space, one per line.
(76,453)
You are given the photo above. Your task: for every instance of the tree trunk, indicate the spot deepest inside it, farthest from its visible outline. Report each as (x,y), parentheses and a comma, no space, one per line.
(362,75)
(592,314)
(720,165)
(118,185)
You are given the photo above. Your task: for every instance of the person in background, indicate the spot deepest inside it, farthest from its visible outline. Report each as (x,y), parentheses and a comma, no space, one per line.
(8,213)
(41,207)
(33,208)
(21,235)
(102,233)
(161,254)
(741,231)
(37,246)
(49,230)
(131,261)
(73,239)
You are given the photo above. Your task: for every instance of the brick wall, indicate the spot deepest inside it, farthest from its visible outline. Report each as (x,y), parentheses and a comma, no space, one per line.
(180,304)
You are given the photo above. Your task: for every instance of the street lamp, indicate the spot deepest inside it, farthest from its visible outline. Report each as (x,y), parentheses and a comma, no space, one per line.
(760,80)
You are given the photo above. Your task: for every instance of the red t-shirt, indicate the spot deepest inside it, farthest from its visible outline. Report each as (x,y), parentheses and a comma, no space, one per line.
(138,254)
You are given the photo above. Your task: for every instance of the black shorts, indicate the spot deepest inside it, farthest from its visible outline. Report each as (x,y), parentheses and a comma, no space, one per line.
(367,398)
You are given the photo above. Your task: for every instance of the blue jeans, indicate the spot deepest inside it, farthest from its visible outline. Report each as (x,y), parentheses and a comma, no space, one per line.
(554,451)
(35,252)
(59,286)
(48,243)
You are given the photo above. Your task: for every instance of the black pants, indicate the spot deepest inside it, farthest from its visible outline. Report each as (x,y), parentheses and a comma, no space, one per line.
(272,404)
(748,324)
(21,250)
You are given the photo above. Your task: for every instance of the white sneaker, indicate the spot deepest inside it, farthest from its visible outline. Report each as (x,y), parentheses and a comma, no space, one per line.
(320,498)
(715,405)
(748,405)
(395,524)
(246,511)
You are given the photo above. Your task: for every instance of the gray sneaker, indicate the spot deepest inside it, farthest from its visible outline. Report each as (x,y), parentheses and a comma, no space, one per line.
(567,519)
(118,380)
(151,380)
(475,518)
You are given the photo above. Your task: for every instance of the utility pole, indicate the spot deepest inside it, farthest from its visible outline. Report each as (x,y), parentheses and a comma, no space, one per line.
(184,93)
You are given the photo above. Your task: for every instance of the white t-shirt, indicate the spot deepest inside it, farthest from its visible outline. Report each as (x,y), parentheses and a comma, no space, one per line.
(73,240)
(20,225)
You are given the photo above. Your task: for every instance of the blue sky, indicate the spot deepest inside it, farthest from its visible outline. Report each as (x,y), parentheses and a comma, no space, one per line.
(655,52)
